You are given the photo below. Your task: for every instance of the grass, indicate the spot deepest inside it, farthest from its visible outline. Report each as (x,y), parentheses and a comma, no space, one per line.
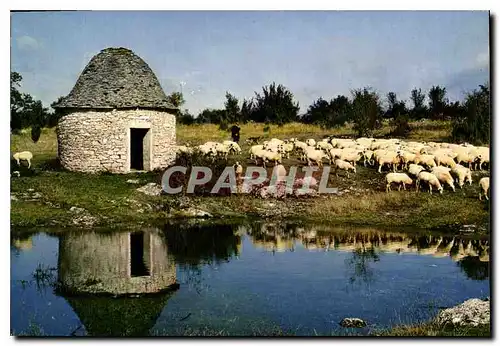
(432,329)
(115,202)
(428,329)
(196,134)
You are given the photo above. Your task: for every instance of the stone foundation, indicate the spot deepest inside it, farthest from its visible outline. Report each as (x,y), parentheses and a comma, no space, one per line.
(95,141)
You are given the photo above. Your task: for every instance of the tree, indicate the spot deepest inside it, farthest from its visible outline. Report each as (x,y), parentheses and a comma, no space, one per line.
(186,118)
(232,108)
(53,117)
(211,116)
(437,102)
(473,121)
(176,99)
(318,112)
(341,108)
(419,109)
(366,111)
(247,109)
(396,108)
(24,110)
(276,105)
(328,114)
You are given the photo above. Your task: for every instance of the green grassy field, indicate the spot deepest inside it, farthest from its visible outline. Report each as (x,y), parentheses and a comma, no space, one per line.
(115,202)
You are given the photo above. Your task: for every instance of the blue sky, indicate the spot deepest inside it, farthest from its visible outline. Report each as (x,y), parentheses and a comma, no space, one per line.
(314,53)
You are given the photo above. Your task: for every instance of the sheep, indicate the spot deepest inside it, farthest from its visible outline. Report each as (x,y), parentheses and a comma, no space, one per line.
(221,150)
(334,154)
(414,169)
(390,158)
(207,150)
(368,157)
(324,146)
(311,142)
(233,146)
(253,149)
(315,156)
(399,178)
(461,174)
(482,157)
(444,176)
(343,165)
(464,156)
(443,159)
(288,148)
(183,149)
(431,180)
(271,156)
(407,157)
(484,183)
(425,159)
(350,155)
(23,155)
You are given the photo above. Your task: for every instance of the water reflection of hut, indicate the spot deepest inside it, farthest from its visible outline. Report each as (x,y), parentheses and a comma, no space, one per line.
(117,283)
(116,263)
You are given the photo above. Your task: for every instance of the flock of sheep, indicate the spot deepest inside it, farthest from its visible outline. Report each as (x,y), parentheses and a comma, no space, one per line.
(430,164)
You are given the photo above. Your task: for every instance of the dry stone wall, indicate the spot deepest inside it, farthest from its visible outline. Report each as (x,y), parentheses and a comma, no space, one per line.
(95,141)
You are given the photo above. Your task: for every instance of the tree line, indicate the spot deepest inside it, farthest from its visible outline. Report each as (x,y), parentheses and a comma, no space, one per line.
(364,108)
(275,104)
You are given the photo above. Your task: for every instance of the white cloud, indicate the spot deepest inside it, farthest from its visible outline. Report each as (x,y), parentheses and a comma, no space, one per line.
(483,59)
(27,43)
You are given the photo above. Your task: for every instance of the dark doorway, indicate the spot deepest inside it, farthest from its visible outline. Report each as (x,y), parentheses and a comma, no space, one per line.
(137,148)
(137,264)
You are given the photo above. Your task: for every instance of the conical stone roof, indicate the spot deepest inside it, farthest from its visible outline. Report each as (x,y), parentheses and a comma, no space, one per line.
(116,78)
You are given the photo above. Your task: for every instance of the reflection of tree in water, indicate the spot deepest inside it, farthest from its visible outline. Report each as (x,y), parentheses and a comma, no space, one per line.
(198,245)
(202,244)
(474,268)
(359,264)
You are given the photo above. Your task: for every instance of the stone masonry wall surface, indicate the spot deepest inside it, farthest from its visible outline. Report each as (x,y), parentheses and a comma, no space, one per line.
(95,141)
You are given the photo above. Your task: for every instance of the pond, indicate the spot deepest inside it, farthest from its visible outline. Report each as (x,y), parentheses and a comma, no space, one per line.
(237,279)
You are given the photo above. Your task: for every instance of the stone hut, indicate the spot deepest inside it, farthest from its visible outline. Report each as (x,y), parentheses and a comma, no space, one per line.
(116,118)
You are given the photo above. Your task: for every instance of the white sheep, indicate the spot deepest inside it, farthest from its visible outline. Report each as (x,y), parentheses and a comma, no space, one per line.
(334,154)
(324,146)
(368,157)
(414,169)
(233,146)
(288,147)
(23,155)
(315,156)
(407,157)
(207,149)
(431,181)
(425,159)
(466,157)
(271,156)
(461,174)
(350,155)
(399,178)
(344,165)
(482,157)
(444,159)
(390,158)
(253,149)
(484,183)
(311,142)
(444,176)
